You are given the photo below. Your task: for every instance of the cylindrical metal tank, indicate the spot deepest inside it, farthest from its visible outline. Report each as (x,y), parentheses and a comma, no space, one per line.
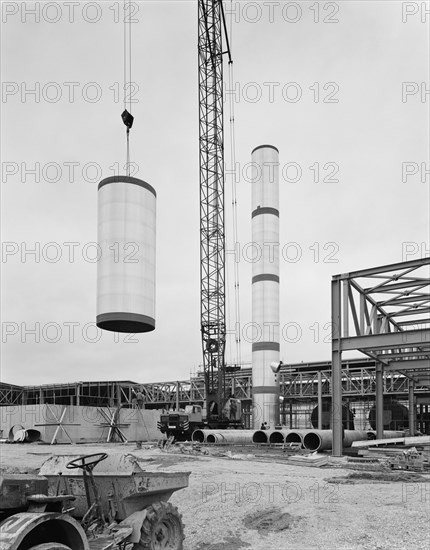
(396,416)
(263,252)
(347,416)
(126,263)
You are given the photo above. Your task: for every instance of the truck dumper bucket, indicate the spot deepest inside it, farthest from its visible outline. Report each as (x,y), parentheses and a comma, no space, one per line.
(124,487)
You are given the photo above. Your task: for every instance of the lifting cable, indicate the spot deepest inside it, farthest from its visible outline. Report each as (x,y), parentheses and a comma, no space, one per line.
(126,116)
(237,327)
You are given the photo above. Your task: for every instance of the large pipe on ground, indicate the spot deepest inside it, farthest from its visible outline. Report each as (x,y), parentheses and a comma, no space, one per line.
(202,436)
(199,436)
(295,436)
(234,436)
(318,440)
(230,437)
(354,435)
(278,436)
(321,440)
(32,435)
(260,436)
(214,438)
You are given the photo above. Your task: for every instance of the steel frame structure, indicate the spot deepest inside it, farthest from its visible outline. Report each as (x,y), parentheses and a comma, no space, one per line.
(212,229)
(297,382)
(383,312)
(10,394)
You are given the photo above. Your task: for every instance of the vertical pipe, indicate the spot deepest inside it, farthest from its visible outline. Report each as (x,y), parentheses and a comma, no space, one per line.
(265,284)
(177,396)
(291,415)
(336,366)
(412,423)
(420,426)
(118,395)
(319,400)
(379,404)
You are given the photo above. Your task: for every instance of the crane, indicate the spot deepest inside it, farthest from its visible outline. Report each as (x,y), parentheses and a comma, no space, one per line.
(211,27)
(180,424)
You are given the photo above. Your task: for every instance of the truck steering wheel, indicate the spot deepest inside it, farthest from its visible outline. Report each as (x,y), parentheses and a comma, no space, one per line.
(84,463)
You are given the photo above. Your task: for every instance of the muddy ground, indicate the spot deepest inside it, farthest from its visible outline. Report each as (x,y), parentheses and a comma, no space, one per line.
(245,501)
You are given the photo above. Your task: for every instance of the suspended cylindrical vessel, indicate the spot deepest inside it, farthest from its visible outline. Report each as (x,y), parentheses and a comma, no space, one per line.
(278,436)
(126,266)
(265,285)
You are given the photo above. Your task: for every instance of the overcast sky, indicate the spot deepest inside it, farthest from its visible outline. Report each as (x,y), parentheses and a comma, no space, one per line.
(323,82)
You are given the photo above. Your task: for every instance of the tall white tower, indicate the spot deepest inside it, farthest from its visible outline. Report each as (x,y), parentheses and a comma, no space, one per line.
(265,285)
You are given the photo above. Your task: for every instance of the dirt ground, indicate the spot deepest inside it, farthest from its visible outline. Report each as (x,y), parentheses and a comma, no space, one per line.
(246,501)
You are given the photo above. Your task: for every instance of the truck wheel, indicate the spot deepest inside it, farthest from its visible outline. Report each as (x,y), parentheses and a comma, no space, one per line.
(51,546)
(162,528)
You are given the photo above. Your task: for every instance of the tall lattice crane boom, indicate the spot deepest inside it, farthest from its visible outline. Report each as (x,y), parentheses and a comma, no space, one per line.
(212,234)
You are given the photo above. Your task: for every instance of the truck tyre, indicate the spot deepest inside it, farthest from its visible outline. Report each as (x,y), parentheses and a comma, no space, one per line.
(162,528)
(51,546)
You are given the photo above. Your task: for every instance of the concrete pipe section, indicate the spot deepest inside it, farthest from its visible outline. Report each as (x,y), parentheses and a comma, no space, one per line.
(260,436)
(199,436)
(230,437)
(214,438)
(32,435)
(318,440)
(294,437)
(278,436)
(353,435)
(321,440)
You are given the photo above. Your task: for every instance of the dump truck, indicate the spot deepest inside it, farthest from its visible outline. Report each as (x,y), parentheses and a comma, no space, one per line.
(68,506)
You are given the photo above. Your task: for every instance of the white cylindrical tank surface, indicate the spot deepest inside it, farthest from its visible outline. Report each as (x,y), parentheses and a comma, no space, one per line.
(126,266)
(265,285)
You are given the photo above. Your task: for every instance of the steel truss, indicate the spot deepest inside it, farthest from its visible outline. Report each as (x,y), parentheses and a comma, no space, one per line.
(212,235)
(383,312)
